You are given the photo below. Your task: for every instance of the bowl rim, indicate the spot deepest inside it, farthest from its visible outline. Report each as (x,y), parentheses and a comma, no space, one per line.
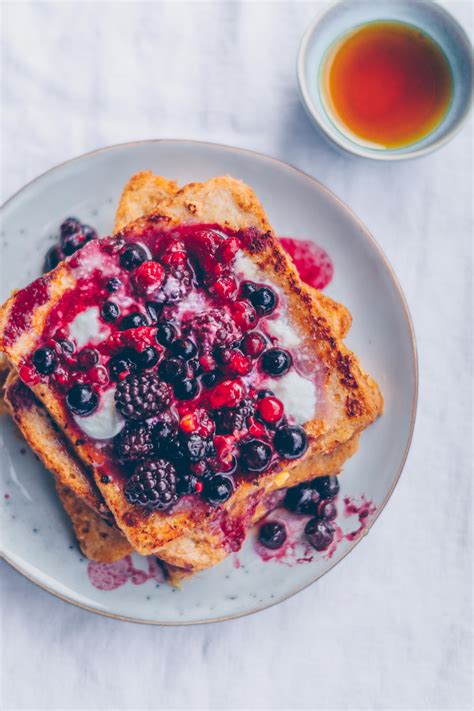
(336,136)
(414,368)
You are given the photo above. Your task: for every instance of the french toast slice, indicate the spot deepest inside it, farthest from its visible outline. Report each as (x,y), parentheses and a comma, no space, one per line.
(93,524)
(145,191)
(354,400)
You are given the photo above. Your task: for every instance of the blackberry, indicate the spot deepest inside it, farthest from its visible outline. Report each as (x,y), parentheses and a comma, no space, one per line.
(153,484)
(164,431)
(195,447)
(141,396)
(133,442)
(229,419)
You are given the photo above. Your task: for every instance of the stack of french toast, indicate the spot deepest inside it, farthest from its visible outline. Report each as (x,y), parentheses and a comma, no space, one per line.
(178,376)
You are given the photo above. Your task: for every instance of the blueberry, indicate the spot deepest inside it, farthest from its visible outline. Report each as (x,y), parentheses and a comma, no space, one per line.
(263,300)
(66,346)
(89,233)
(147,358)
(327,486)
(184,347)
(133,320)
(82,400)
(186,484)
(132,256)
(218,489)
(153,310)
(255,455)
(72,243)
(110,311)
(186,389)
(223,354)
(209,379)
(113,284)
(166,334)
(302,499)
(87,358)
(327,509)
(276,361)
(45,360)
(54,255)
(319,533)
(272,535)
(247,288)
(123,362)
(290,441)
(265,393)
(70,226)
(171,368)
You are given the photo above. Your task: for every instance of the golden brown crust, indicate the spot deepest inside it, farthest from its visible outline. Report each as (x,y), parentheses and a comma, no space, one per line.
(355,399)
(142,194)
(99,541)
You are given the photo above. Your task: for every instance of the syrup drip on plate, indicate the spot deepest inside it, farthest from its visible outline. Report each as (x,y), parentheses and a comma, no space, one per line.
(110,576)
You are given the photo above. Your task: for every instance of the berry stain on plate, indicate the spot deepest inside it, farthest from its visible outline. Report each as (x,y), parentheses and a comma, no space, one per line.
(313,263)
(110,576)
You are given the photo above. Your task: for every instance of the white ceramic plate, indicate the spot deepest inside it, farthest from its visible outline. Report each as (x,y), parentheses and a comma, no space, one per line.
(36,536)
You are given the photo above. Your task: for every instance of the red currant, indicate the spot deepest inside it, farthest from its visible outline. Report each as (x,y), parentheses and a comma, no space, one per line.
(244,315)
(253,344)
(270,409)
(228,393)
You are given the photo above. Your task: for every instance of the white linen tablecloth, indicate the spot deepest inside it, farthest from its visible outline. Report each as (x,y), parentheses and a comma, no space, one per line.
(390,628)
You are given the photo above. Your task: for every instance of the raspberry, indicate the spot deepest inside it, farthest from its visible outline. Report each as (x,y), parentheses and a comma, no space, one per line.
(227,251)
(244,315)
(213,328)
(177,283)
(140,396)
(239,364)
(227,394)
(198,421)
(133,442)
(270,409)
(225,287)
(153,484)
(148,277)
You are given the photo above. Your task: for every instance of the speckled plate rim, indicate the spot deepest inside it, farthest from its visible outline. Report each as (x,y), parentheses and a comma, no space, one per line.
(333,135)
(414,366)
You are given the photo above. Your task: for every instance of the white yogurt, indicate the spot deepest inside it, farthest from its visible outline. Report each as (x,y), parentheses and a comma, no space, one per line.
(88,328)
(298,395)
(105,422)
(280,329)
(246,269)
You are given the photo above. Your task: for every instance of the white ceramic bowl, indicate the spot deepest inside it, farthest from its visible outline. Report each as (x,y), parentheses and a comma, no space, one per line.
(36,535)
(344,16)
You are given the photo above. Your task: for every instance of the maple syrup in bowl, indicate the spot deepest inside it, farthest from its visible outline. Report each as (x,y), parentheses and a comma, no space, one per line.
(387,79)
(386,84)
